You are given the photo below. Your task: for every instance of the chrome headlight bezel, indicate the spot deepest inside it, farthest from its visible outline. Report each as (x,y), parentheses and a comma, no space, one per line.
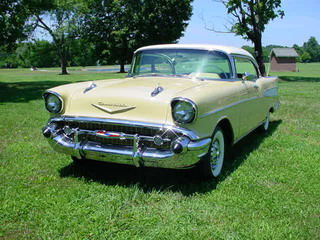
(187,103)
(46,96)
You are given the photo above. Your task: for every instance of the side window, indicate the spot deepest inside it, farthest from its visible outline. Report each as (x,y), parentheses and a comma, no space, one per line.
(244,65)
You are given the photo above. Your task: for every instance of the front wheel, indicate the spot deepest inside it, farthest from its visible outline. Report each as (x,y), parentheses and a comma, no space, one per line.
(212,164)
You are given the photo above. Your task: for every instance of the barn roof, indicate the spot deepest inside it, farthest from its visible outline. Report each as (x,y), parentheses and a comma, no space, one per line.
(284,52)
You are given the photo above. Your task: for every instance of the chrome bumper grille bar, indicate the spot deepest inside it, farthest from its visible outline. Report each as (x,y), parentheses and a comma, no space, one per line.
(76,142)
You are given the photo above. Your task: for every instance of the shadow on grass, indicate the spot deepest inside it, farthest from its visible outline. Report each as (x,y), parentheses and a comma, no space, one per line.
(299,79)
(18,92)
(153,179)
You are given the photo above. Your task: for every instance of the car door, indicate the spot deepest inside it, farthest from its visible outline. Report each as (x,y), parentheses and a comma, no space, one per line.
(250,94)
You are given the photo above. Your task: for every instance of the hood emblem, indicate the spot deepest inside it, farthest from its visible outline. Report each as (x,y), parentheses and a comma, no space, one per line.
(113,108)
(156,91)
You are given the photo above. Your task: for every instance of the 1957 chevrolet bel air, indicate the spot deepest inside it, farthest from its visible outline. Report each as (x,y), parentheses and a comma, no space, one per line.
(180,106)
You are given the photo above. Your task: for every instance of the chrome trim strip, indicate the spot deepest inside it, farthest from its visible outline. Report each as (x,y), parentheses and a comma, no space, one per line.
(228,106)
(165,127)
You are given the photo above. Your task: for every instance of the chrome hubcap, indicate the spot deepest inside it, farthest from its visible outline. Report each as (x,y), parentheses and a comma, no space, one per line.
(217,153)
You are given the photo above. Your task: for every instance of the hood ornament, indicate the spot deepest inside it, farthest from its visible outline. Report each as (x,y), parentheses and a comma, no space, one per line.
(91,86)
(113,108)
(157,90)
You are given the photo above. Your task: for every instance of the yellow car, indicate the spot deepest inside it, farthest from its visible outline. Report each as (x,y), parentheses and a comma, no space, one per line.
(180,106)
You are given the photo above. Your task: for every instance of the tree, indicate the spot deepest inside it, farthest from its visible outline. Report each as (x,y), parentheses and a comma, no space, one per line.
(40,53)
(313,49)
(61,20)
(250,18)
(13,17)
(120,27)
(82,53)
(305,57)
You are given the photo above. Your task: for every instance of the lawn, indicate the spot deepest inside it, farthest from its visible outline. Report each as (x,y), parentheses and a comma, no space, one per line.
(271,190)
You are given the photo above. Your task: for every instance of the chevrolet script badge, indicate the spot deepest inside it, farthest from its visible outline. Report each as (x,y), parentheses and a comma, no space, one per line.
(113,108)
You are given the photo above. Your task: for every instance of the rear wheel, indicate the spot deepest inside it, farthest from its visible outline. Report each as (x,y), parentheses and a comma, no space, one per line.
(212,164)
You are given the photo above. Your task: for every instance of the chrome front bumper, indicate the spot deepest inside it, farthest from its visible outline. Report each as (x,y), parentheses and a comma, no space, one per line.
(187,154)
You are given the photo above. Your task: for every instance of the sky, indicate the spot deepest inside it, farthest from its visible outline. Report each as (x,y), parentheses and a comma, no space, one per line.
(301,21)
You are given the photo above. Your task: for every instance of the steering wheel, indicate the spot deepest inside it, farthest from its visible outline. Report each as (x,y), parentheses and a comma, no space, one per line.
(221,70)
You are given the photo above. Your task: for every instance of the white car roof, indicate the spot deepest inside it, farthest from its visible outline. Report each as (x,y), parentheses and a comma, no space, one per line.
(208,47)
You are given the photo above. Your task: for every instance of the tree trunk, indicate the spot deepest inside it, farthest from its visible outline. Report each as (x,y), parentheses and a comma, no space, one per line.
(122,64)
(259,55)
(63,62)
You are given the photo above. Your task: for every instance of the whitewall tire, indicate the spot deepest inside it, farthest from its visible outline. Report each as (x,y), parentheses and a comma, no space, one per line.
(212,164)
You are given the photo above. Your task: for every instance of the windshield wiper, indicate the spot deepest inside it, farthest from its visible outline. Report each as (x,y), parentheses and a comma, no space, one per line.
(166,75)
(151,74)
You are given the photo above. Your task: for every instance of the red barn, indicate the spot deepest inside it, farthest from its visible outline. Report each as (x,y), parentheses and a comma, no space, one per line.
(283,60)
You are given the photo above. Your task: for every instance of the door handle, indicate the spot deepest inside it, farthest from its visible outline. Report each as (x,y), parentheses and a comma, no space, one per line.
(256,86)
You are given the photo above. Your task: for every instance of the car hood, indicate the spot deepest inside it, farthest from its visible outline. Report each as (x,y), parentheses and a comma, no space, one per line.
(127,99)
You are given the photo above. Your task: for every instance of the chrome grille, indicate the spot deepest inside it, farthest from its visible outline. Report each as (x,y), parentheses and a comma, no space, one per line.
(142,131)
(116,128)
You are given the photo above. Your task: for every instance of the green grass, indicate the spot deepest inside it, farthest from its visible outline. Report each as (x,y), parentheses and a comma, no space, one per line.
(271,190)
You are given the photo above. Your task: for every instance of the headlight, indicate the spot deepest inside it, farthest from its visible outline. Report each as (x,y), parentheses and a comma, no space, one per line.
(183,110)
(53,102)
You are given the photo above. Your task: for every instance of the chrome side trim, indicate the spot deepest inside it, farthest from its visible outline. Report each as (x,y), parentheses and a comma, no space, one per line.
(228,106)
(166,127)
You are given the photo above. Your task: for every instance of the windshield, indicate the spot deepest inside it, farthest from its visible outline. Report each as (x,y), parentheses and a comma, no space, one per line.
(181,62)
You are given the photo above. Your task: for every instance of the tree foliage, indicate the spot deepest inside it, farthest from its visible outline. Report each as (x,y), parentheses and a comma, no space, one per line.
(250,18)
(119,27)
(61,20)
(312,47)
(13,16)
(39,54)
(110,30)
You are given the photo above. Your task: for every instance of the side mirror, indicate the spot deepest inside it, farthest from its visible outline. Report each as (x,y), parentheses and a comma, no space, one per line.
(248,77)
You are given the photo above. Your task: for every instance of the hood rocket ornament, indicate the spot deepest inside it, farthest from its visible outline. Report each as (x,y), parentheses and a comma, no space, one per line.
(91,86)
(157,90)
